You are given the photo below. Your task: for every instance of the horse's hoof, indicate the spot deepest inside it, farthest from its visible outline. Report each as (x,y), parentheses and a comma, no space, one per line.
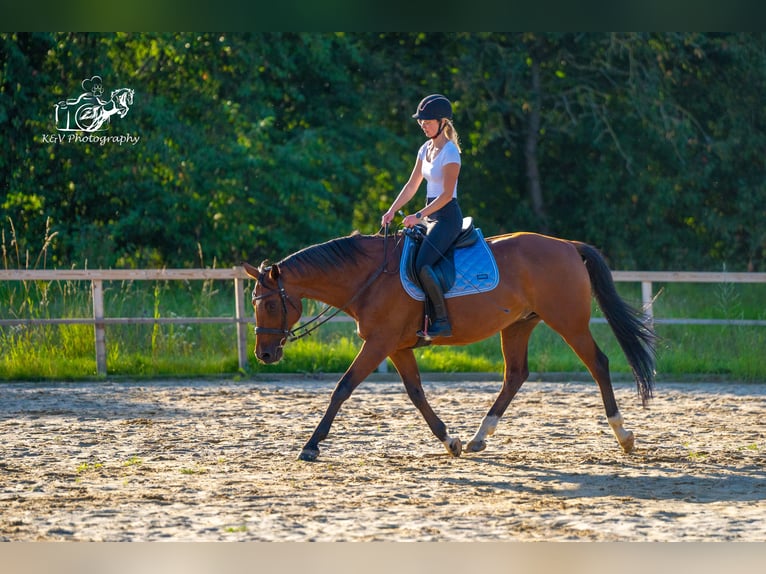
(476,446)
(629,443)
(454,446)
(309,454)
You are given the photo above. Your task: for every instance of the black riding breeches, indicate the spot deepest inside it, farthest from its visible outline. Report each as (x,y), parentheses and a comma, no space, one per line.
(443,228)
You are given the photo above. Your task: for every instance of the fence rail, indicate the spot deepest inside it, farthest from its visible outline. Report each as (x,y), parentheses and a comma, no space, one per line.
(241,317)
(99,321)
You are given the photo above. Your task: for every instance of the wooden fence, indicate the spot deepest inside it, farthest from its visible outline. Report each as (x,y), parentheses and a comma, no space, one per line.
(243,316)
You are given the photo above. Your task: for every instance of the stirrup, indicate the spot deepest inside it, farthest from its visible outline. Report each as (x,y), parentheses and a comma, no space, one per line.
(439,328)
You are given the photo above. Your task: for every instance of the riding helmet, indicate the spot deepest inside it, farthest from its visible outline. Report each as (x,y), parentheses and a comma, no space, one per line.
(433,107)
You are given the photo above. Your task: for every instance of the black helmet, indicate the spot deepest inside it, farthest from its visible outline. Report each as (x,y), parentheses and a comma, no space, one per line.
(433,107)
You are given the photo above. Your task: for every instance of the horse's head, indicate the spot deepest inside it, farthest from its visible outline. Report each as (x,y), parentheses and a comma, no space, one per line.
(275,312)
(123,99)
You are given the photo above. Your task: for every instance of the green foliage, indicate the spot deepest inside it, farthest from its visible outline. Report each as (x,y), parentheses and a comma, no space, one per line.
(253,145)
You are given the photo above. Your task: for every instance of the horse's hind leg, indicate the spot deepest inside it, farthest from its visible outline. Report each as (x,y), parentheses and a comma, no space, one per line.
(515,342)
(407,366)
(598,365)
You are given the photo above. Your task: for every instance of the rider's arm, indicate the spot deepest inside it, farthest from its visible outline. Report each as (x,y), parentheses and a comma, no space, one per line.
(407,192)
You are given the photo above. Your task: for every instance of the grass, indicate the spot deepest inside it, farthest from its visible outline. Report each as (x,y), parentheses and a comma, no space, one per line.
(88,467)
(66,352)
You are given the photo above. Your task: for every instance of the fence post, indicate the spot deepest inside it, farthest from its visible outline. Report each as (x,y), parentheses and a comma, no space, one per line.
(97,287)
(646,297)
(239,298)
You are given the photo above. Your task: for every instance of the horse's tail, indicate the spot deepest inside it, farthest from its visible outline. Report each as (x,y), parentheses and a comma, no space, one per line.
(631,327)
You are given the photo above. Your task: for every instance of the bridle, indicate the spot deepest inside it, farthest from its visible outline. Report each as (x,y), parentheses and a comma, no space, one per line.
(290,335)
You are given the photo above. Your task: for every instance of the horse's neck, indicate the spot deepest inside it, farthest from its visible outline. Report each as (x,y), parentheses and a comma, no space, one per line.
(337,286)
(335,289)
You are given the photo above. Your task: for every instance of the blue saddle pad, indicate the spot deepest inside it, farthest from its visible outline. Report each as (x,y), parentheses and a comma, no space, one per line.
(475,270)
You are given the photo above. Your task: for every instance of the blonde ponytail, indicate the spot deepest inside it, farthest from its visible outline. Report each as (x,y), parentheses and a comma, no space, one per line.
(451,134)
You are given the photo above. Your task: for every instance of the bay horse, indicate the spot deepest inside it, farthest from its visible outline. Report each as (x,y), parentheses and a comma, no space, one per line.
(542,278)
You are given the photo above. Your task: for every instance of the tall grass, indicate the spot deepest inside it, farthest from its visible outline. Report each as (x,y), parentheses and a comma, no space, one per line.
(66,352)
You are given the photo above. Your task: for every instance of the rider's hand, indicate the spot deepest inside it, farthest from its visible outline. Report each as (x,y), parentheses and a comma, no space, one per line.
(387,218)
(410,221)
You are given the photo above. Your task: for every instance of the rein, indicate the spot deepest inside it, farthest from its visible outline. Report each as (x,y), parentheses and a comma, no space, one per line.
(308,327)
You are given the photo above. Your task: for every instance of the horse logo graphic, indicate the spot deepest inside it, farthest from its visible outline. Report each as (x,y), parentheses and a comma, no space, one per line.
(88,112)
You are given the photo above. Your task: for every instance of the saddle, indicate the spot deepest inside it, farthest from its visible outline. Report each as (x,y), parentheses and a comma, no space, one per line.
(445,267)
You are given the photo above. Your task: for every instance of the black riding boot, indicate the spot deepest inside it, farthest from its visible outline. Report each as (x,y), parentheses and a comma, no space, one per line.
(440,326)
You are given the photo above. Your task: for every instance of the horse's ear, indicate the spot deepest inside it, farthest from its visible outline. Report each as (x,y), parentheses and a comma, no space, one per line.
(250,270)
(274,272)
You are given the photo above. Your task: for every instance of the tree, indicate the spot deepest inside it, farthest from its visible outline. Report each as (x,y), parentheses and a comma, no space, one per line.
(254,145)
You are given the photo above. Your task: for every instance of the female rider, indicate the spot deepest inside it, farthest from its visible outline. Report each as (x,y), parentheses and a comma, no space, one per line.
(438,161)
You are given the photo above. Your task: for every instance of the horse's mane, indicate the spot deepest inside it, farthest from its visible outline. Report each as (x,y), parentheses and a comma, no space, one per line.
(329,256)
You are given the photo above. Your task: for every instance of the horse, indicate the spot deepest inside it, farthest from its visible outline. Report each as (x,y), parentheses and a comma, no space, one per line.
(91,117)
(542,278)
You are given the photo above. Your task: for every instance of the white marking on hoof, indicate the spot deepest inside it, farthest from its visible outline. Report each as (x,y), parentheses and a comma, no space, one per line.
(629,443)
(476,446)
(624,437)
(487,428)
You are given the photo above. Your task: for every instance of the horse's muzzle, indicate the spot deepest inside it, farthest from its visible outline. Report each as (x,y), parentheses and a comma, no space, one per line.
(269,356)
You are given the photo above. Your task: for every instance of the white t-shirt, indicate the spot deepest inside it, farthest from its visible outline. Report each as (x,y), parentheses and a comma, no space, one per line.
(433,171)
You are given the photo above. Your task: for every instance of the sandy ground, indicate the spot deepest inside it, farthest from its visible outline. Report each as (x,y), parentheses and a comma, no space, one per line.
(216,461)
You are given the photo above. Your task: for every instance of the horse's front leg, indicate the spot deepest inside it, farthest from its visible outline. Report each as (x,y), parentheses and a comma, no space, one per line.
(364,363)
(407,366)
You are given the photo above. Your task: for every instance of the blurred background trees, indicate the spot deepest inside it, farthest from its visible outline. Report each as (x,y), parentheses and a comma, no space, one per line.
(647,145)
